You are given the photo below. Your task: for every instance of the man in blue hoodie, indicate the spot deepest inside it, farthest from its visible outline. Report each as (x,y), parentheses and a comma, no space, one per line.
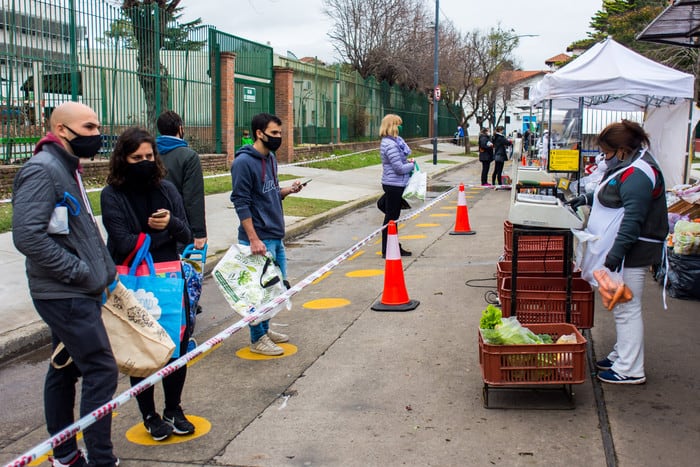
(184,171)
(257,197)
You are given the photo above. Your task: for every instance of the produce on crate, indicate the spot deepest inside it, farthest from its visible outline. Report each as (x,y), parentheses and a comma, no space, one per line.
(507,331)
(611,287)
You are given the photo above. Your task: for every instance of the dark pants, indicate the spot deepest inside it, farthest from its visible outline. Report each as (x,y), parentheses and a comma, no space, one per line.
(497,171)
(172,388)
(485,172)
(392,208)
(77,322)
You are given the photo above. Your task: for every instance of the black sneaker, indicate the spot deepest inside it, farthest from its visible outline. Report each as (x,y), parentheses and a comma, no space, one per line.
(158,429)
(178,422)
(404,252)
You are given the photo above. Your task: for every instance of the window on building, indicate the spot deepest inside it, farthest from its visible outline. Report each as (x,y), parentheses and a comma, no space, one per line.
(526,92)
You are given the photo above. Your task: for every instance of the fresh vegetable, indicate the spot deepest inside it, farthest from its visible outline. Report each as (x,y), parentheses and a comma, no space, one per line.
(490,317)
(510,332)
(612,290)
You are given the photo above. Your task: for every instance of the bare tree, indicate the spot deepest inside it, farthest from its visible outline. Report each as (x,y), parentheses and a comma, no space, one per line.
(387,39)
(473,82)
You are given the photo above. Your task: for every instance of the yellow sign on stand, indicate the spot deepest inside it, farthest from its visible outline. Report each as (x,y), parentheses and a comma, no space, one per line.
(564,160)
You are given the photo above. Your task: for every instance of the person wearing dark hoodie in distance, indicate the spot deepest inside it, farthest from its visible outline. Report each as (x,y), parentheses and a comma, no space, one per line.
(257,197)
(184,170)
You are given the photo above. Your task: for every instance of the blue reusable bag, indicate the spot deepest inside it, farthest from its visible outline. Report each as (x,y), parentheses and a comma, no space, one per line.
(193,269)
(160,290)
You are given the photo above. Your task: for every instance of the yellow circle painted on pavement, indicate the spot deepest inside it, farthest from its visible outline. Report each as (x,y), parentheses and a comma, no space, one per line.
(427,225)
(411,237)
(325,303)
(441,214)
(246,354)
(365,273)
(137,434)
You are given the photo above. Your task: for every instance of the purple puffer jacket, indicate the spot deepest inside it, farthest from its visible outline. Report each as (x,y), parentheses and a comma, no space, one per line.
(396,170)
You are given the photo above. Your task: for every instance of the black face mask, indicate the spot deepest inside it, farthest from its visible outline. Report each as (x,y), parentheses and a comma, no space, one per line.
(273,142)
(85,146)
(141,174)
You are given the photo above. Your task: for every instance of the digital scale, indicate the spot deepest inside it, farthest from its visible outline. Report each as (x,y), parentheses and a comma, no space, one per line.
(539,210)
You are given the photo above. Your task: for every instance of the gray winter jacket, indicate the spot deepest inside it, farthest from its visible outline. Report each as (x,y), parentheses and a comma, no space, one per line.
(58,266)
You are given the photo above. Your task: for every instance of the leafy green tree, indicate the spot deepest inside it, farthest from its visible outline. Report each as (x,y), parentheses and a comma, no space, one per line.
(149,21)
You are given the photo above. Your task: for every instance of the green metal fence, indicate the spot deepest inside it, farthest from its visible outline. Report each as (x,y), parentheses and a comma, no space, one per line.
(128,65)
(324,96)
(253,80)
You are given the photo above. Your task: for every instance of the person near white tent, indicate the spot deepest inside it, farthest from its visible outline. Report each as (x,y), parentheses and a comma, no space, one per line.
(543,148)
(627,229)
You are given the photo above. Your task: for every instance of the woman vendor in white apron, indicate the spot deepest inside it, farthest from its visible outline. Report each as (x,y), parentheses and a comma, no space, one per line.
(627,229)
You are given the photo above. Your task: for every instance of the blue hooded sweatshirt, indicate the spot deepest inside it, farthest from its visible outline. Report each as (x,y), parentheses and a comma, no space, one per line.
(256,193)
(168,143)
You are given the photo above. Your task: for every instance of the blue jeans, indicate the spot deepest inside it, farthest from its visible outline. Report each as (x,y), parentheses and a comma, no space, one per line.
(276,249)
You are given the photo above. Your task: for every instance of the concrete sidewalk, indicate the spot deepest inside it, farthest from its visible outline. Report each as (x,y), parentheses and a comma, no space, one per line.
(391,389)
(22,329)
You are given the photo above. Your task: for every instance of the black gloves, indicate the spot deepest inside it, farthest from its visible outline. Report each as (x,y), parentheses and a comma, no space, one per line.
(613,264)
(580,200)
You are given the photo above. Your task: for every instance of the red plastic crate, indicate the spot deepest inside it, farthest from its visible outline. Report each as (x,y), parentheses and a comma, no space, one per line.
(533,268)
(507,365)
(543,300)
(547,247)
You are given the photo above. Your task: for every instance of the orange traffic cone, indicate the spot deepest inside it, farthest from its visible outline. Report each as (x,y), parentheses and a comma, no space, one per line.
(395,296)
(462,223)
(523,160)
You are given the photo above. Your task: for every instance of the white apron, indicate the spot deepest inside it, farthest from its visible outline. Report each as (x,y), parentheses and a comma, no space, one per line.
(603,224)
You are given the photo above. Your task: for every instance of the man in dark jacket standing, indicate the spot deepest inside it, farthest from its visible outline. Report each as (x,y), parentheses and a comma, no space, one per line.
(485,155)
(68,268)
(184,171)
(500,154)
(257,197)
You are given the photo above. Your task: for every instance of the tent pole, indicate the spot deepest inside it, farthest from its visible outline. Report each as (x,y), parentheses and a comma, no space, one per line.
(580,142)
(690,143)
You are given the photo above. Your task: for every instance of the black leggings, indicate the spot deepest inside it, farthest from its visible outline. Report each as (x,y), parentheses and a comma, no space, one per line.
(485,172)
(497,171)
(172,388)
(392,208)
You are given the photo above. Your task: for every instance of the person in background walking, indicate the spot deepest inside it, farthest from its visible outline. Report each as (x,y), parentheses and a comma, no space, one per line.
(257,197)
(138,199)
(396,170)
(485,155)
(68,268)
(500,154)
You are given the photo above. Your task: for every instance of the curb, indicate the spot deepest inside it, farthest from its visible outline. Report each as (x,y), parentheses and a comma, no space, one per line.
(19,341)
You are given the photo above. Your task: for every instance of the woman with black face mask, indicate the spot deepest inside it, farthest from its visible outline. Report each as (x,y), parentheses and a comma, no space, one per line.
(138,199)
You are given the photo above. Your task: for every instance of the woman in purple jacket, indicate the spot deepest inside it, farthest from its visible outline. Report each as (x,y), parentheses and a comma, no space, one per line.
(396,170)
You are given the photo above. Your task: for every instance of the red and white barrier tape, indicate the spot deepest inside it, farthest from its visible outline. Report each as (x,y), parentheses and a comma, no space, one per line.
(72,430)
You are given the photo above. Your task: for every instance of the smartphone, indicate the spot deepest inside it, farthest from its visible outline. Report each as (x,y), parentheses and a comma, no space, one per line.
(159,214)
(304,184)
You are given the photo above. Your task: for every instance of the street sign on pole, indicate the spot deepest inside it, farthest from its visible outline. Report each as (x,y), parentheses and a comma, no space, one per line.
(437,93)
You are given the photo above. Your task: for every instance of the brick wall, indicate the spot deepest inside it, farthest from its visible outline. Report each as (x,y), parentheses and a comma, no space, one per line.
(284,109)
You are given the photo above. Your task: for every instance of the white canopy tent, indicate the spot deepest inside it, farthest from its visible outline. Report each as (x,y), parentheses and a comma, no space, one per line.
(612,77)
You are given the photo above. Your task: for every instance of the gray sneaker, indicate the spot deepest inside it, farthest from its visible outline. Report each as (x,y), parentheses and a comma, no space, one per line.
(265,346)
(277,337)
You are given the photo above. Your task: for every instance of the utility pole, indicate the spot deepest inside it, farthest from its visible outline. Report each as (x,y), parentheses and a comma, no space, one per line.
(436,101)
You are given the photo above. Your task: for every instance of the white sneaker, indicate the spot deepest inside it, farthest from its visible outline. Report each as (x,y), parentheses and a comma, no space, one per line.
(265,346)
(277,337)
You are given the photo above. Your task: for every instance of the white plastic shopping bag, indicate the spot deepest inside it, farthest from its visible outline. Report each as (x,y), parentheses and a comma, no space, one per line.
(249,281)
(417,184)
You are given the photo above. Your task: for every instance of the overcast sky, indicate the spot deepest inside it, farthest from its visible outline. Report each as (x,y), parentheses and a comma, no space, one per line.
(301,27)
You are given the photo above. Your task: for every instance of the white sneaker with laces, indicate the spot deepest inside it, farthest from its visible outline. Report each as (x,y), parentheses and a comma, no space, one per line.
(277,337)
(265,346)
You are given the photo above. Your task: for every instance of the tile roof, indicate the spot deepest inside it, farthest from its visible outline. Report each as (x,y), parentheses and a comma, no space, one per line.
(558,58)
